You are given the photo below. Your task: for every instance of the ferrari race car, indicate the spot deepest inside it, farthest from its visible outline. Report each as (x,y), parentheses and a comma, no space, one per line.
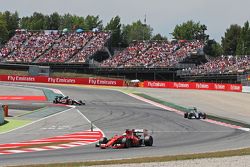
(131,138)
(66,100)
(193,113)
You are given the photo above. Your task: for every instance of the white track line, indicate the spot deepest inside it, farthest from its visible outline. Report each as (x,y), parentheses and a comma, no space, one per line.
(38,120)
(98,129)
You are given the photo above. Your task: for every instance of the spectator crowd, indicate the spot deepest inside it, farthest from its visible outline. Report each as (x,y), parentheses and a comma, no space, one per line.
(52,46)
(95,44)
(32,48)
(15,42)
(153,54)
(74,47)
(221,65)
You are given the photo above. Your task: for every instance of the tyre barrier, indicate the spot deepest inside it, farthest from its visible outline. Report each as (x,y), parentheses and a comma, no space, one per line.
(5,110)
(1,116)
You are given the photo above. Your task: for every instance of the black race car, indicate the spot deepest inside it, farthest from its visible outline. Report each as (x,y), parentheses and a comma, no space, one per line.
(66,100)
(193,113)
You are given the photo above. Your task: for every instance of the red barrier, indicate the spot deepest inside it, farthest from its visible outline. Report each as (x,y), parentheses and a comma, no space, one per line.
(194,85)
(44,79)
(40,98)
(112,82)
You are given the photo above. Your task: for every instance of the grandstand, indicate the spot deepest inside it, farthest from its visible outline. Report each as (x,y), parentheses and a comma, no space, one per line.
(155,60)
(218,69)
(148,54)
(52,47)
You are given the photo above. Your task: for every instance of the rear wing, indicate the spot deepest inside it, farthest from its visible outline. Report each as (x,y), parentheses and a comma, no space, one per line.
(141,131)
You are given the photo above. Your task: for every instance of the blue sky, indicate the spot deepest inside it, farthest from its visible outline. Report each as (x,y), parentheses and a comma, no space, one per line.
(162,15)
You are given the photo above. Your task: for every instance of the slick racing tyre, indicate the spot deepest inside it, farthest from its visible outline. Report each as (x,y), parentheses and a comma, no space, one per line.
(204,116)
(148,140)
(81,102)
(70,102)
(185,115)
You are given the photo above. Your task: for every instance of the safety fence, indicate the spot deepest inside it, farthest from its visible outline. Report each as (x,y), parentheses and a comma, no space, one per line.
(59,80)
(194,85)
(120,82)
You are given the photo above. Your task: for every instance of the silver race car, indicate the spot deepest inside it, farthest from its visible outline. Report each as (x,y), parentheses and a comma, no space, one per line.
(193,113)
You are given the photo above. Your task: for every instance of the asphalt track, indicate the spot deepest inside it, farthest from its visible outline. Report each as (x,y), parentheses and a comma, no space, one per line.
(113,112)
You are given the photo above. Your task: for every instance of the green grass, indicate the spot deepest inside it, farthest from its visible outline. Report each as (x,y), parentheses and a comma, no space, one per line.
(12,124)
(12,72)
(71,75)
(29,112)
(80,75)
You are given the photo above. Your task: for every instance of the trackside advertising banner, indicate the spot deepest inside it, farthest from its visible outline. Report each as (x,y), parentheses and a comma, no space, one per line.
(44,79)
(194,85)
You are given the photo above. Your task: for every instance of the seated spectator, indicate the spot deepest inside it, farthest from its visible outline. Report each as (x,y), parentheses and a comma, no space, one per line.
(222,65)
(153,54)
(94,45)
(32,48)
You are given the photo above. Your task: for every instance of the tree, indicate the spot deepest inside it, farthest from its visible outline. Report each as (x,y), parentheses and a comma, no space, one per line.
(158,37)
(231,39)
(24,23)
(66,22)
(244,41)
(136,31)
(93,22)
(115,27)
(190,31)
(54,21)
(78,22)
(212,48)
(36,22)
(3,30)
(12,20)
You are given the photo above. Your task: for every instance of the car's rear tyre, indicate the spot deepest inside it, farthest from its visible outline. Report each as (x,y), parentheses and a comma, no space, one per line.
(81,102)
(148,140)
(204,116)
(70,102)
(185,115)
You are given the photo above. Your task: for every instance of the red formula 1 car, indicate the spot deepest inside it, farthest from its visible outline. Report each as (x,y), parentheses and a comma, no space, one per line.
(66,100)
(131,138)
